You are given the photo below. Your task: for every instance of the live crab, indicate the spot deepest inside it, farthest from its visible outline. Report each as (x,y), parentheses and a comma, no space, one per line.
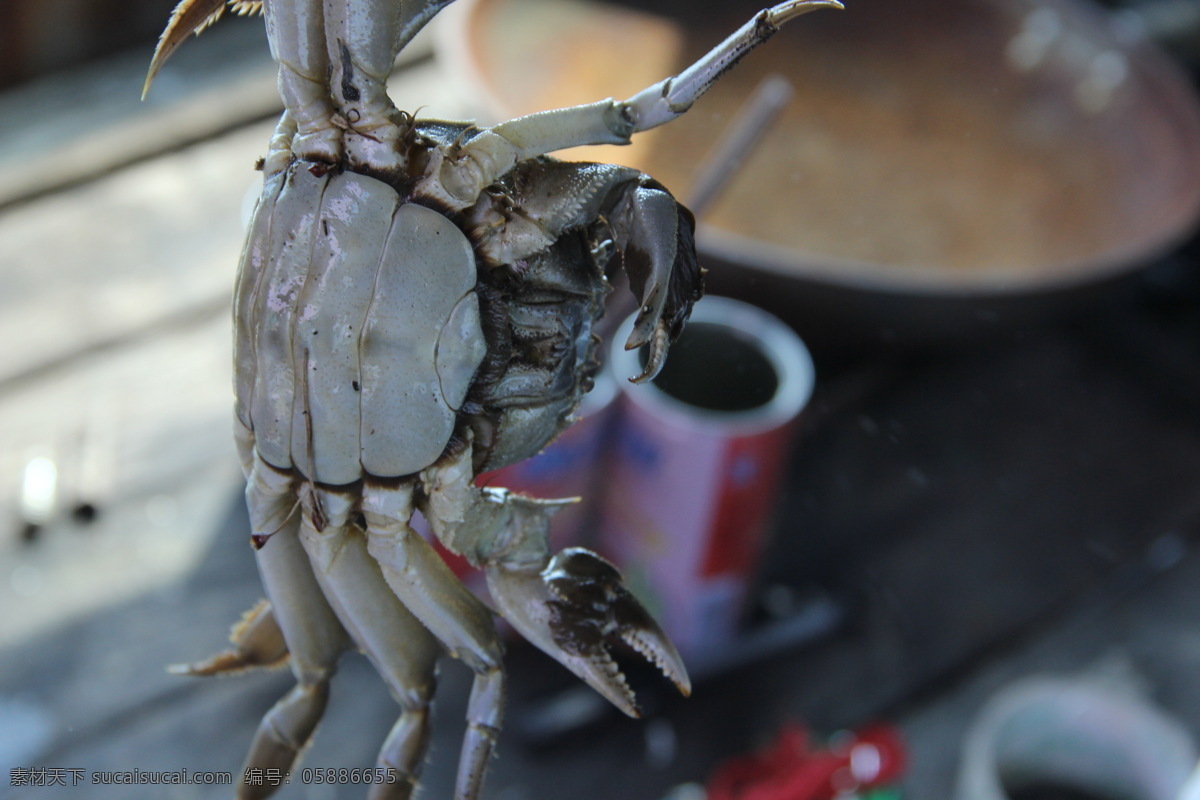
(414,305)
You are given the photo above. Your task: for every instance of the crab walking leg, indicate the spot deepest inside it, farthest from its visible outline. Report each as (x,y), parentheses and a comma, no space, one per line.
(296,33)
(279,149)
(666,100)
(401,648)
(456,617)
(610,122)
(257,638)
(313,634)
(488,156)
(415,16)
(362,37)
(257,642)
(371,33)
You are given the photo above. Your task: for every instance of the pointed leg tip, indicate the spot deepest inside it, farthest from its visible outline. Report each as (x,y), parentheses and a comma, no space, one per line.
(217,665)
(804,6)
(228,663)
(785,12)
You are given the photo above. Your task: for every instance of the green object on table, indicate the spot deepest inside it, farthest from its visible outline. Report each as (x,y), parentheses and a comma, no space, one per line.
(882,793)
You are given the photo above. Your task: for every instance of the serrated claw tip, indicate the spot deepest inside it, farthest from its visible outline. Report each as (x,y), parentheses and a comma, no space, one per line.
(658,650)
(574,610)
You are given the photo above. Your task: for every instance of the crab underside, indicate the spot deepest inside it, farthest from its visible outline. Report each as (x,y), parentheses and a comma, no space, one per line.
(415,304)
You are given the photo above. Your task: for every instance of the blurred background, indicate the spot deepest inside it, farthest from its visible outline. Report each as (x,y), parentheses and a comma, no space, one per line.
(50,37)
(977,214)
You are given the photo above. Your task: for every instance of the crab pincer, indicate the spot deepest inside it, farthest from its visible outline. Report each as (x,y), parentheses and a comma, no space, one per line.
(575,609)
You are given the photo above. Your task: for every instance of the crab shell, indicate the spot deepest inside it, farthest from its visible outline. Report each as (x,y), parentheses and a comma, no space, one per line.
(356,346)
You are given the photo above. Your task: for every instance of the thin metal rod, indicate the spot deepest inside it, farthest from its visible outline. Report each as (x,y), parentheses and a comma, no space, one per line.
(770,97)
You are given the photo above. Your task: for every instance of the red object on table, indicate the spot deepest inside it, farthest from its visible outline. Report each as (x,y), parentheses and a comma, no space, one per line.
(793,768)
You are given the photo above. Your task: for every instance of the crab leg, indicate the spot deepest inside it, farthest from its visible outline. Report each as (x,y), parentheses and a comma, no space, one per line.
(334,58)
(362,40)
(401,648)
(257,642)
(423,582)
(313,634)
(668,99)
(279,149)
(478,163)
(296,33)
(414,17)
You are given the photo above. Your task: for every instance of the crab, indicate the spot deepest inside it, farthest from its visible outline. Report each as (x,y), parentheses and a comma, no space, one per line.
(414,306)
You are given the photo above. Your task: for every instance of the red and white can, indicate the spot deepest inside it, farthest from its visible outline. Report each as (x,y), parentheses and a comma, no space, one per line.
(698,461)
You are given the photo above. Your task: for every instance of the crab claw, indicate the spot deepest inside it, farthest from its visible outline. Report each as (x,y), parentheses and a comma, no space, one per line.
(574,609)
(656,355)
(660,259)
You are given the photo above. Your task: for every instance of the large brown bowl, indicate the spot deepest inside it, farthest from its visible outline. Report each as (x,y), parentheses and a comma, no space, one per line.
(942,162)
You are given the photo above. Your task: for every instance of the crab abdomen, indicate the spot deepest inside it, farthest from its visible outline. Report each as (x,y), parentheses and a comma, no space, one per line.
(357,329)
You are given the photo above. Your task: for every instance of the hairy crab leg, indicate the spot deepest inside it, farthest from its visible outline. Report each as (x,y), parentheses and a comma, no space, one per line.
(296,34)
(400,647)
(313,42)
(414,17)
(257,642)
(313,634)
(460,178)
(423,582)
(362,41)
(279,149)
(664,101)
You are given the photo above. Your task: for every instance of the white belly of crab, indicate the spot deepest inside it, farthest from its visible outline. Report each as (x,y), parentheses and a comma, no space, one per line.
(357,328)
